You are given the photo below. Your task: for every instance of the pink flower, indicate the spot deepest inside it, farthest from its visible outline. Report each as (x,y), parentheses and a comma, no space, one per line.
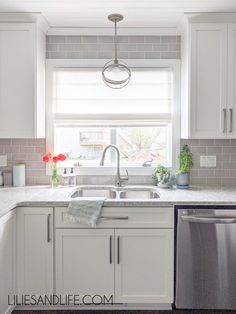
(55,159)
(46,158)
(61,157)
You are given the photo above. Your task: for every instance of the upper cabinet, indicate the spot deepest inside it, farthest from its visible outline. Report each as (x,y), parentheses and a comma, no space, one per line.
(22,77)
(208,78)
(232,78)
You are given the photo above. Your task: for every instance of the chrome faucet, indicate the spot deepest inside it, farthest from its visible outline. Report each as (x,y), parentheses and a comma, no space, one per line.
(119,178)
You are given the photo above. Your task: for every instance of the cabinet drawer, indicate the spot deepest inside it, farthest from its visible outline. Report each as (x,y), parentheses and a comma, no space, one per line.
(128,217)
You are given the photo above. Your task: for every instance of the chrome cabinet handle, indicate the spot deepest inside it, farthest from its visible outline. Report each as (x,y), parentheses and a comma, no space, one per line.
(212,220)
(118,250)
(224,120)
(230,120)
(114,217)
(110,250)
(48,228)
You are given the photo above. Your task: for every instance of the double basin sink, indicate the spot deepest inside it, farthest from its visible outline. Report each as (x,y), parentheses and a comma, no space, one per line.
(113,192)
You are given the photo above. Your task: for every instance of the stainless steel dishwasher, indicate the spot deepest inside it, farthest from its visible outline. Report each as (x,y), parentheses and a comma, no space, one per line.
(206,257)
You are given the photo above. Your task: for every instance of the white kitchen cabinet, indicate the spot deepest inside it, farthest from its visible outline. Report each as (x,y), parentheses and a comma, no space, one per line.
(85,261)
(22,79)
(144,266)
(208,78)
(232,80)
(35,250)
(7,261)
(121,257)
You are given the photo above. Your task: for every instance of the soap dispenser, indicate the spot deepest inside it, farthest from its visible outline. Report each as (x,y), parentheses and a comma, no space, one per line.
(65,177)
(72,177)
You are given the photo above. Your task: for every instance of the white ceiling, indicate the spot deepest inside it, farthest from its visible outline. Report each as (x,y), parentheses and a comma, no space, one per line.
(93,13)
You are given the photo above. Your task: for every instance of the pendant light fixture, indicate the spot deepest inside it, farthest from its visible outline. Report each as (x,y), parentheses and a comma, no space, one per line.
(115,73)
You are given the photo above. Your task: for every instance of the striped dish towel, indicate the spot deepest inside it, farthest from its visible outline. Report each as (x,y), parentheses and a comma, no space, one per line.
(85,210)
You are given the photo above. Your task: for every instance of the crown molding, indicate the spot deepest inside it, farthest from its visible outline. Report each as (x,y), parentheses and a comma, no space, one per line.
(34,17)
(210,17)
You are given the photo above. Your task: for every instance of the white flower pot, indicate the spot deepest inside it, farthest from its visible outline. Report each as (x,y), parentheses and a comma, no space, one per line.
(182,179)
(163,185)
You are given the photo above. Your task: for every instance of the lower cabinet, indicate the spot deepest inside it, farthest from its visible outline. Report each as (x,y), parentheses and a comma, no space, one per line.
(84,261)
(133,265)
(117,260)
(7,260)
(144,266)
(35,250)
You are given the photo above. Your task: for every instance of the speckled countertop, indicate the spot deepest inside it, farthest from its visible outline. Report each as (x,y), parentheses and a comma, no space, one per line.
(46,196)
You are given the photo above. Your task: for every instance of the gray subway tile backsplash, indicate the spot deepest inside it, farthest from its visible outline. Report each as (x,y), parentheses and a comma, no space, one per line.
(224,174)
(169,39)
(125,47)
(136,39)
(153,55)
(137,55)
(101,47)
(170,55)
(144,47)
(30,152)
(160,47)
(152,39)
(89,39)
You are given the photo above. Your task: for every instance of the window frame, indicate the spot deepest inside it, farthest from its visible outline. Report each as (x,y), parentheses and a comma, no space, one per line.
(174,64)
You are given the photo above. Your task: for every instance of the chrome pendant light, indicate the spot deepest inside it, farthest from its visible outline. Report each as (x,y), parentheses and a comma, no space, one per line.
(115,73)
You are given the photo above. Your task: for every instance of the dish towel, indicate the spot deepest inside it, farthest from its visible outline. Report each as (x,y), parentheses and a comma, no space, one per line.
(85,210)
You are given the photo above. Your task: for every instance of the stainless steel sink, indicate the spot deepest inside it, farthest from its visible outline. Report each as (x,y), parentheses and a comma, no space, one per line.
(113,192)
(138,193)
(94,191)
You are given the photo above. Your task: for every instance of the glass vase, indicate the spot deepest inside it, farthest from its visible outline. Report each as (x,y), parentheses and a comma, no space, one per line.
(55,178)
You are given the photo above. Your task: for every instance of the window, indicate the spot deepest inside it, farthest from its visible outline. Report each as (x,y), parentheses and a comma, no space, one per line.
(85,116)
(136,144)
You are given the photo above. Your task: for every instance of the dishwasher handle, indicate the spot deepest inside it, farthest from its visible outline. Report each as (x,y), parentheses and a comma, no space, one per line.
(209,220)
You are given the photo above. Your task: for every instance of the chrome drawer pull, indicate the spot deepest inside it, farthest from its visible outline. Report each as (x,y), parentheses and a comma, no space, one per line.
(224,127)
(118,250)
(230,120)
(114,217)
(48,228)
(110,249)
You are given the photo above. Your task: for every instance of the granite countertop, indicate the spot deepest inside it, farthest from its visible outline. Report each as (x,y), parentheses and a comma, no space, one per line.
(46,196)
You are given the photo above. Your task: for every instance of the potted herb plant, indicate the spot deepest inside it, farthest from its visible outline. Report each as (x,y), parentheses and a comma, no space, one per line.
(185,164)
(161,175)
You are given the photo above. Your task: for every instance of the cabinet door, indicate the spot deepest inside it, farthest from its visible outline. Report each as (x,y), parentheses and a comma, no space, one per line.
(208,99)
(84,261)
(7,260)
(232,80)
(17,81)
(144,266)
(35,250)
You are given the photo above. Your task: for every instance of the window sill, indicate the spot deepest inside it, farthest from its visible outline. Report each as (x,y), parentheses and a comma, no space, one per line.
(111,170)
(90,170)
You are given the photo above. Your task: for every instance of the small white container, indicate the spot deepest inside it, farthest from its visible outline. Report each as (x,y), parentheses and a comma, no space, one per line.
(7,178)
(19,175)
